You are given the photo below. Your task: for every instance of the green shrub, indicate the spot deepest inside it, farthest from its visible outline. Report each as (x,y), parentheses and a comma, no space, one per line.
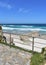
(45,56)
(37,59)
(43,49)
(0,38)
(44,52)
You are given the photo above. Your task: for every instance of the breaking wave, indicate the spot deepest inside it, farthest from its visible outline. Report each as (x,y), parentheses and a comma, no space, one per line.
(24,29)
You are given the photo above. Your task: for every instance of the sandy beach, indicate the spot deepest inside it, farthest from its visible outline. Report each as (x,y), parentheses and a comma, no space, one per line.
(26,42)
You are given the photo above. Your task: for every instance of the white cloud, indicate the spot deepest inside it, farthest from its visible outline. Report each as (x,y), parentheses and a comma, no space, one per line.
(5,5)
(22,10)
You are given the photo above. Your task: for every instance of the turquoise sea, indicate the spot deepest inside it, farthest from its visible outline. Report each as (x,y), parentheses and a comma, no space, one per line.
(24,28)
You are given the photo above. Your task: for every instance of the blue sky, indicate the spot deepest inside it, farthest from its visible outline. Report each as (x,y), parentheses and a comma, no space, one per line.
(23,11)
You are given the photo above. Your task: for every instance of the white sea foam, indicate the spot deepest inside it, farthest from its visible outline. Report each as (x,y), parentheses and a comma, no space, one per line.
(26,26)
(24,29)
(7,28)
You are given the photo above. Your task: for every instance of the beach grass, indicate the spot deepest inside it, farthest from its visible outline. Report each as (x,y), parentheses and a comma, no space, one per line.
(37,59)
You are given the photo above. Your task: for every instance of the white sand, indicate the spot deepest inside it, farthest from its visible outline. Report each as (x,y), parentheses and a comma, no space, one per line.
(22,45)
(38,43)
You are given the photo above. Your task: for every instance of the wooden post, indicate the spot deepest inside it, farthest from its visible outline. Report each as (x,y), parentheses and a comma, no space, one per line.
(33,45)
(10,39)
